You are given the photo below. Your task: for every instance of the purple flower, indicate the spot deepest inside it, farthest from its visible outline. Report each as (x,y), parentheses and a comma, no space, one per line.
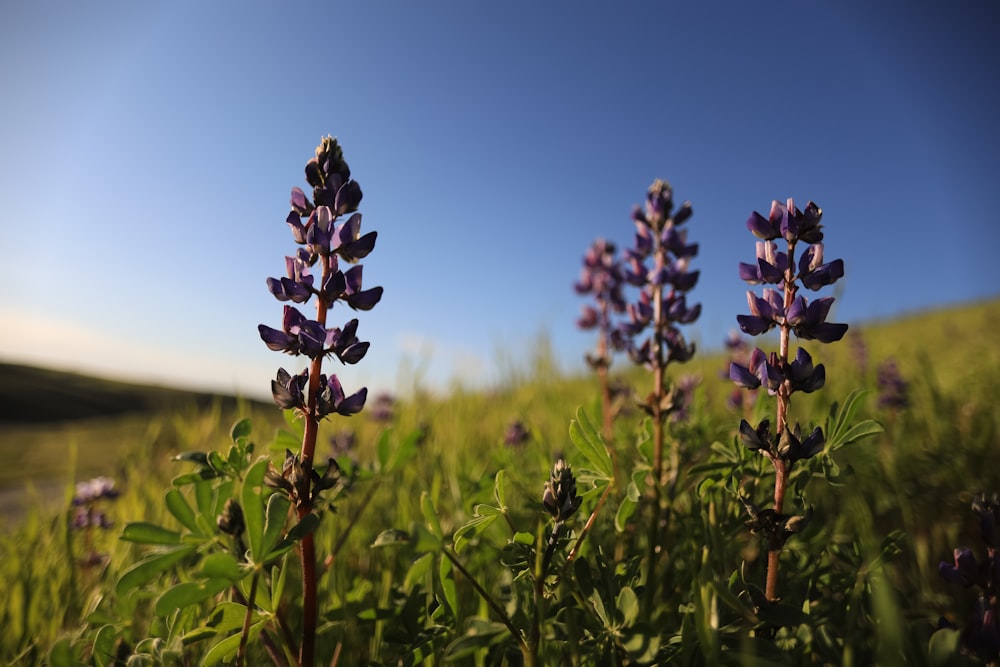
(893,389)
(383,409)
(813,273)
(808,320)
(342,443)
(965,571)
(788,222)
(95,489)
(333,400)
(516,434)
(289,390)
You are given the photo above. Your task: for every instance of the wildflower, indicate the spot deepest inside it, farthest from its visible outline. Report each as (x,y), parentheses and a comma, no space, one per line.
(95,489)
(383,408)
(559,497)
(516,434)
(893,389)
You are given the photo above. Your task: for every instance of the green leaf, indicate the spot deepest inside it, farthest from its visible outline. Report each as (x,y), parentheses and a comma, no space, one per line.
(61,654)
(149,533)
(419,570)
(430,515)
(148,568)
(253,505)
(177,504)
(943,648)
(628,605)
(274,524)
(203,498)
(857,432)
(625,510)
(188,593)
(383,450)
(590,444)
(278,576)
(499,492)
(475,640)
(391,538)
(471,529)
(103,652)
(227,648)
(306,525)
(448,585)
(223,565)
(241,431)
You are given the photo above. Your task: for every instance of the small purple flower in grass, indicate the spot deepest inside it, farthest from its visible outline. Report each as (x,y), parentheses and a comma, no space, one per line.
(95,489)
(516,434)
(893,389)
(342,443)
(383,408)
(981,635)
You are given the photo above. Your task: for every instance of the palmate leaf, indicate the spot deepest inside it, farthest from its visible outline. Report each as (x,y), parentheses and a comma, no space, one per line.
(590,444)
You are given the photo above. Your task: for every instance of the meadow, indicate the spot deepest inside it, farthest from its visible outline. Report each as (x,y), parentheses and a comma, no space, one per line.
(433,534)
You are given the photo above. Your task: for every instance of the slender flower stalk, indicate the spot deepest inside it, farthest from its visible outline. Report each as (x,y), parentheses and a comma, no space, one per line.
(602,278)
(325,242)
(662,304)
(782,307)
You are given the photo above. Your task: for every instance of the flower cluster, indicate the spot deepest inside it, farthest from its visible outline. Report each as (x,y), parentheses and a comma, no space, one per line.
(659,265)
(893,389)
(601,278)
(516,434)
(324,242)
(559,497)
(782,307)
(982,635)
(86,513)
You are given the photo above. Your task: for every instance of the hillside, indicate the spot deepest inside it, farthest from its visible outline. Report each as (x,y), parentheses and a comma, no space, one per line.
(30,394)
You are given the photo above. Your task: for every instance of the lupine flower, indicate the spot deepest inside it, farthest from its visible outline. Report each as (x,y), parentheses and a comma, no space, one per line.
(90,517)
(516,434)
(95,489)
(602,279)
(860,351)
(659,238)
(324,243)
(559,497)
(342,442)
(893,389)
(982,634)
(780,306)
(383,408)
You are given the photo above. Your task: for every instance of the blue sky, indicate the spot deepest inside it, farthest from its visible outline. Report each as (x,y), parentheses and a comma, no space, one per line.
(148,150)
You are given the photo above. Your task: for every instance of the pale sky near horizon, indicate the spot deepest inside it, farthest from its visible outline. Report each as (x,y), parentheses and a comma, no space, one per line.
(148,150)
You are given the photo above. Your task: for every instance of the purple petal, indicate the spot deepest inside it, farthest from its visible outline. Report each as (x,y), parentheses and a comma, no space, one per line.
(354,353)
(760,227)
(754,326)
(743,377)
(366,299)
(749,273)
(353,404)
(278,341)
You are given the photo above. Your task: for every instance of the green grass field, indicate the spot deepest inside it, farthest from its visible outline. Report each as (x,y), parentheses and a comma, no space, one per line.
(903,497)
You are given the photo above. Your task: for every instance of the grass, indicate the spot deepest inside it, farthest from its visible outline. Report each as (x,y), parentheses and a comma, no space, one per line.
(917,477)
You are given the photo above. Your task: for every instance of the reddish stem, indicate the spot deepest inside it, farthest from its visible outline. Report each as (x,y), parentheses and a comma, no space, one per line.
(307,550)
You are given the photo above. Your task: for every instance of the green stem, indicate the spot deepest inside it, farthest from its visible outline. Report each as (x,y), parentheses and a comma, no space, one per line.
(490,602)
(245,634)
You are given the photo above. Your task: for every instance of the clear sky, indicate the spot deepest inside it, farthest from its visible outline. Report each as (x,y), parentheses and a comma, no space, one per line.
(147,151)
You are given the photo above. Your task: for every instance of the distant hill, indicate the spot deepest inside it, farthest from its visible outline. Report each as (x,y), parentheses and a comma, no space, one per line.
(29,394)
